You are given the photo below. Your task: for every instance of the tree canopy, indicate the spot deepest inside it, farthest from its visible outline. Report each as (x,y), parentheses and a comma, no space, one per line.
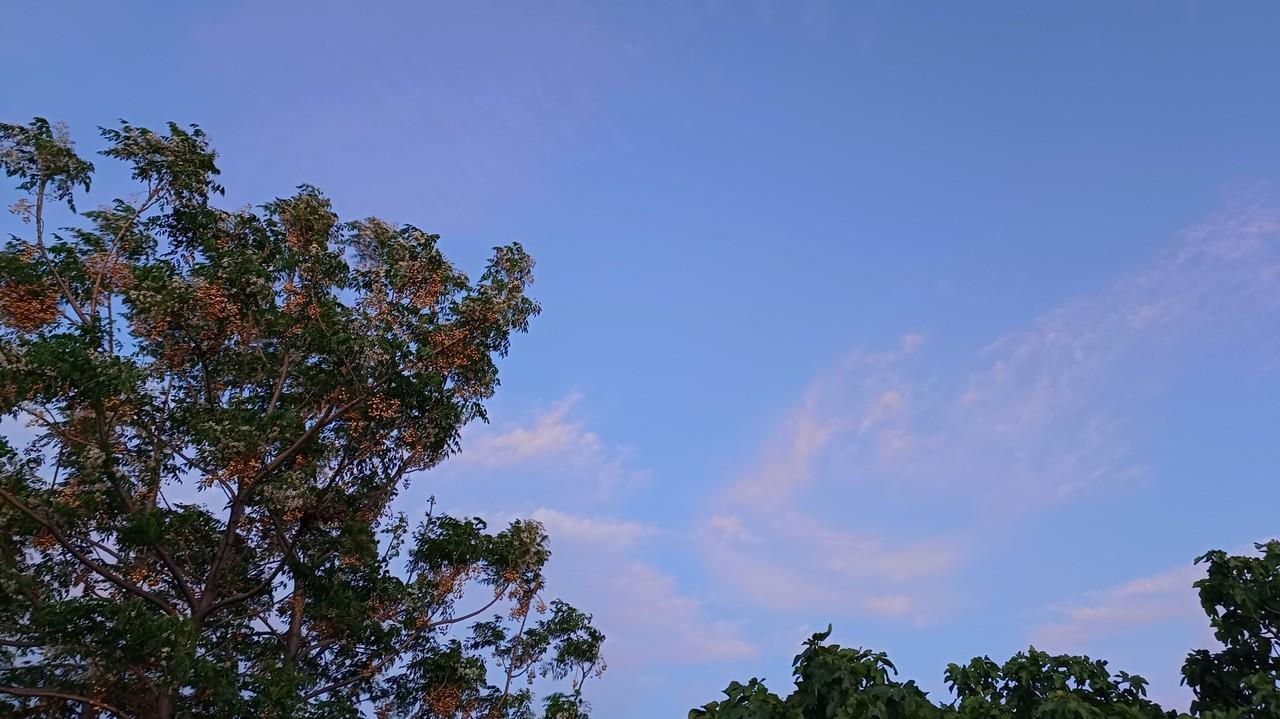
(223,405)
(1240,594)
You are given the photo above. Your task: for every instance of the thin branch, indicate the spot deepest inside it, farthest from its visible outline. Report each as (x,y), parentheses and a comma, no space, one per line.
(179,577)
(115,244)
(191,462)
(52,425)
(328,418)
(454,620)
(84,559)
(312,649)
(293,641)
(275,394)
(236,599)
(57,694)
(62,285)
(511,661)
(375,667)
(224,547)
(369,671)
(22,644)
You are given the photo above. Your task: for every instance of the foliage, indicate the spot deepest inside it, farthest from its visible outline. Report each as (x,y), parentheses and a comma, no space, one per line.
(1241,595)
(225,404)
(834,682)
(1037,684)
(831,681)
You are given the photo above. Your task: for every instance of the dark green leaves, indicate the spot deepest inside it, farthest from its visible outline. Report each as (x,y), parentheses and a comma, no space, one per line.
(1241,595)
(832,682)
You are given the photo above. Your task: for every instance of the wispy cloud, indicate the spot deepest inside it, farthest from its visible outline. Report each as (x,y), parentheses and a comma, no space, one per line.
(592,530)
(1036,416)
(862,393)
(673,628)
(1142,602)
(1046,417)
(553,438)
(1167,596)
(787,560)
(642,609)
(555,463)
(648,618)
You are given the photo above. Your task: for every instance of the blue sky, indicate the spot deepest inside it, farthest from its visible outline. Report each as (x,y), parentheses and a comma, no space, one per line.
(954,325)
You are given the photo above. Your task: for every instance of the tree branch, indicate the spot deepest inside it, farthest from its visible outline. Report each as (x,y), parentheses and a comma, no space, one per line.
(511,661)
(236,599)
(275,394)
(84,559)
(104,443)
(57,694)
(374,667)
(293,641)
(115,244)
(224,546)
(320,424)
(454,620)
(62,285)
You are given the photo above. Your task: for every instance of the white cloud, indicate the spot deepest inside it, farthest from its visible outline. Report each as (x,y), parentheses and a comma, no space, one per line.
(890,605)
(790,561)
(666,626)
(1046,416)
(862,391)
(552,439)
(646,617)
(1168,596)
(887,405)
(1156,599)
(648,620)
(592,530)
(729,526)
(551,434)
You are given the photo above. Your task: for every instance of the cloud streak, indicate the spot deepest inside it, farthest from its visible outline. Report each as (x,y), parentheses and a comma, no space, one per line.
(1133,605)
(964,443)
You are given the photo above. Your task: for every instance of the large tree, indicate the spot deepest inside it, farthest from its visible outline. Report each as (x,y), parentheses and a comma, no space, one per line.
(222,406)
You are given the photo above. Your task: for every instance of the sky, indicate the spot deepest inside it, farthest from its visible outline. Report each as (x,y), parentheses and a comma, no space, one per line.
(954,325)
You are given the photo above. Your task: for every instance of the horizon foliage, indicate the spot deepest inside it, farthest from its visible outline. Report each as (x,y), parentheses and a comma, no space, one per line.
(1240,595)
(224,406)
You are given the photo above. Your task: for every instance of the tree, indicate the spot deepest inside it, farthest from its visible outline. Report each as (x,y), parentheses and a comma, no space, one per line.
(1036,684)
(1240,594)
(225,403)
(834,682)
